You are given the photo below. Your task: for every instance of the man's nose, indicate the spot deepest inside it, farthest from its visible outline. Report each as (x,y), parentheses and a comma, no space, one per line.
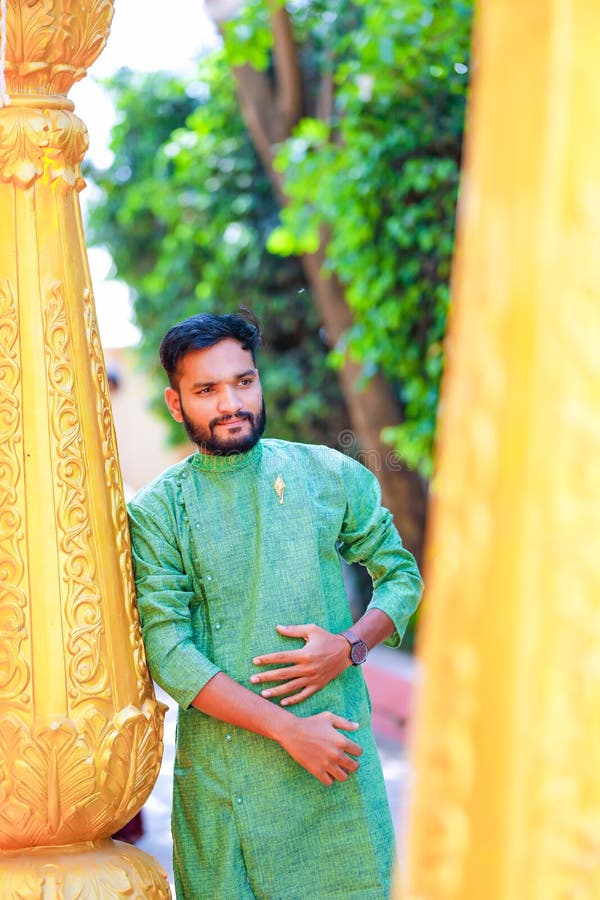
(229,401)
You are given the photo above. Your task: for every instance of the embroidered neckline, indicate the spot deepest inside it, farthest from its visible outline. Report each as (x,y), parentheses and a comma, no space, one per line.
(207,462)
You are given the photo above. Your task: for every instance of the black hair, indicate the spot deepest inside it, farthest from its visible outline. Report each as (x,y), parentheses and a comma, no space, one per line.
(204,330)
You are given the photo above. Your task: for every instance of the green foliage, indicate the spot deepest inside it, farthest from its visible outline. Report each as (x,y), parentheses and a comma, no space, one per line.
(185,211)
(191,220)
(248,37)
(381,179)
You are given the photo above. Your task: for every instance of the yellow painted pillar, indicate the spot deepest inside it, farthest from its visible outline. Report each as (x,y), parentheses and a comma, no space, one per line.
(80,728)
(506,799)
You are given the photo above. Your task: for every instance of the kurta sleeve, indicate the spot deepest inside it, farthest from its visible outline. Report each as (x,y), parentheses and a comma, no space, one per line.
(369,537)
(164,594)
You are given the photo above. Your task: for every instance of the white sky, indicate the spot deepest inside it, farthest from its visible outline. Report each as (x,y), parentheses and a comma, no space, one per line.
(146,35)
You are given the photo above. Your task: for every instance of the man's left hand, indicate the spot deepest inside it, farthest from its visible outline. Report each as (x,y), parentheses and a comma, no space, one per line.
(306,670)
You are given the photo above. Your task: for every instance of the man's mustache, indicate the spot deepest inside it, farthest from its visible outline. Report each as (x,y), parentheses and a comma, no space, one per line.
(243,414)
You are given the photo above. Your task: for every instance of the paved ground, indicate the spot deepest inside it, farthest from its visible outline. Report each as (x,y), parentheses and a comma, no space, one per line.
(390,676)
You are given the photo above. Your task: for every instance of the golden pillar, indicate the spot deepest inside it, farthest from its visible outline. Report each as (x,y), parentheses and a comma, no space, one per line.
(506,799)
(80,728)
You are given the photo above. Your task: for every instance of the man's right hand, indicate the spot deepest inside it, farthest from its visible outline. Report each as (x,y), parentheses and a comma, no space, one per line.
(317,744)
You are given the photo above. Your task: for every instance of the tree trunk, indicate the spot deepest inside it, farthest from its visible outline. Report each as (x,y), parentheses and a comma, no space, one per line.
(370,410)
(271,108)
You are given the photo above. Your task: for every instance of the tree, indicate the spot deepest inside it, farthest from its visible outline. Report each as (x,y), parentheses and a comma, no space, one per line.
(185,211)
(356,112)
(352,125)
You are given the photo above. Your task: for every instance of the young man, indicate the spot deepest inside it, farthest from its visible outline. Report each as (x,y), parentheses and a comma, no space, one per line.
(278,790)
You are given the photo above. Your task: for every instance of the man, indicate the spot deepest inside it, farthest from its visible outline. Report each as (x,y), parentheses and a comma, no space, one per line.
(278,790)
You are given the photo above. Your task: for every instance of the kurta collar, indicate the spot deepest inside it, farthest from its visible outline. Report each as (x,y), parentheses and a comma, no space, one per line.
(210,463)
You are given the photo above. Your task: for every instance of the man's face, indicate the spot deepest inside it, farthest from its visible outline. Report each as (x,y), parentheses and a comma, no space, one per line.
(219,400)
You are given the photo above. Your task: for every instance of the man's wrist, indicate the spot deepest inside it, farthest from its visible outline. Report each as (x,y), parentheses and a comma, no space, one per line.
(358,651)
(280,721)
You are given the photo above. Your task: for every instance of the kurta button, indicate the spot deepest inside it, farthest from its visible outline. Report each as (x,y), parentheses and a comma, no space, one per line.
(238,800)
(217,626)
(209,577)
(196,524)
(228,737)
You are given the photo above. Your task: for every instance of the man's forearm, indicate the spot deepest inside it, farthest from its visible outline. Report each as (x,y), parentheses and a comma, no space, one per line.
(374,627)
(225,699)
(317,743)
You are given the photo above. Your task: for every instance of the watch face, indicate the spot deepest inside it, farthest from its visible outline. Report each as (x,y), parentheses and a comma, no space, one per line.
(358,652)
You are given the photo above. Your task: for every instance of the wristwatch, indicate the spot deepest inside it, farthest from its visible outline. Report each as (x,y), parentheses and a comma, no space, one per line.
(358,649)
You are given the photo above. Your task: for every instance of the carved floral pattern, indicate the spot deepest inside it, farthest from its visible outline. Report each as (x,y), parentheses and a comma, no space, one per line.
(79,777)
(74,779)
(51,43)
(14,668)
(88,673)
(115,486)
(47,142)
(103,870)
(22,884)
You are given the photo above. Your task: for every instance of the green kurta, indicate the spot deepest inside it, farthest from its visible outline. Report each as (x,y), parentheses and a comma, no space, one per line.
(219,562)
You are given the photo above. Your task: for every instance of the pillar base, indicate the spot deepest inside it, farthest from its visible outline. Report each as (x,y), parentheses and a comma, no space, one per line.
(96,870)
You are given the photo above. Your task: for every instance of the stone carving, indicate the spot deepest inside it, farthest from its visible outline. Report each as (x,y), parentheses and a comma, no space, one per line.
(52,43)
(115,484)
(36,143)
(104,870)
(67,777)
(14,666)
(80,728)
(83,601)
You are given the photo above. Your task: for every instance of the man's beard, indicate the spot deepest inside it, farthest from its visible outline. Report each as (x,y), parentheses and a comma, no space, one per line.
(208,442)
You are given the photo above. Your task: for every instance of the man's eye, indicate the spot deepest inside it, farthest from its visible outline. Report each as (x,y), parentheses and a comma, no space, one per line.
(246,381)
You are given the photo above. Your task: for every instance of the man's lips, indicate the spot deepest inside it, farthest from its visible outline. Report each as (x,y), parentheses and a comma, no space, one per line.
(238,420)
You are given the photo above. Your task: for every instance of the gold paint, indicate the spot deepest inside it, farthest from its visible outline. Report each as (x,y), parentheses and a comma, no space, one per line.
(80,728)
(279,487)
(506,797)
(14,664)
(106,868)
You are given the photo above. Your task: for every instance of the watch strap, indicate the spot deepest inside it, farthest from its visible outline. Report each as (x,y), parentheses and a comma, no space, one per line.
(350,636)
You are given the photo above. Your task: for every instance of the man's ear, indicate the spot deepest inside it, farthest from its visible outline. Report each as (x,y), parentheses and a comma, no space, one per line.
(173,403)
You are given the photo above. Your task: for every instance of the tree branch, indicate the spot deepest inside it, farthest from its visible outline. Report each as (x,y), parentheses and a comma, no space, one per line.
(257,104)
(288,76)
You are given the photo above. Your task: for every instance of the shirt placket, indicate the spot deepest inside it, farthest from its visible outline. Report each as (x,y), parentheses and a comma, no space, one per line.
(206,574)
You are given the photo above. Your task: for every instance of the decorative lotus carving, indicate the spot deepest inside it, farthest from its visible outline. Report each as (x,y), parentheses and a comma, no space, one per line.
(66,778)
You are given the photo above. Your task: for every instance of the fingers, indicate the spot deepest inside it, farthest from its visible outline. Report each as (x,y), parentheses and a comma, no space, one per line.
(325,778)
(354,749)
(300,631)
(339,771)
(289,687)
(342,770)
(318,744)
(286,656)
(344,724)
(275,675)
(304,691)
(348,745)
(277,659)
(304,694)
